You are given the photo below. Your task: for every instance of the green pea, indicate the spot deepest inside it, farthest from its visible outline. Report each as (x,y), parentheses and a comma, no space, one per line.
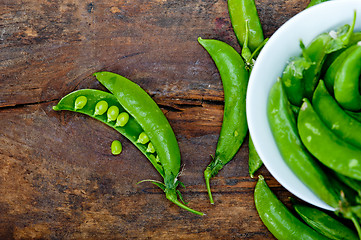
(143,138)
(101,108)
(116,147)
(122,119)
(112,113)
(150,148)
(80,102)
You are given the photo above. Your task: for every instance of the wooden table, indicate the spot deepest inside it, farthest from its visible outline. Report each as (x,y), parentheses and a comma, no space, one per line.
(58,179)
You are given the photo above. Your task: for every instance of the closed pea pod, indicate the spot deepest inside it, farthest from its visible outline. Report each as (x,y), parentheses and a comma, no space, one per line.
(254,161)
(234,127)
(329,149)
(332,70)
(240,12)
(302,163)
(292,77)
(247,27)
(277,218)
(335,118)
(318,50)
(154,124)
(347,81)
(324,223)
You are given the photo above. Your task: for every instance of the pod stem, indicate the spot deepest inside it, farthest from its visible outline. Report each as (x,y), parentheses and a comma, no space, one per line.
(207,177)
(172,196)
(211,170)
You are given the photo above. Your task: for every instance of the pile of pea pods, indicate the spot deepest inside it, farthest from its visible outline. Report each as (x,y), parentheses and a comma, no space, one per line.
(339,185)
(321,118)
(317,99)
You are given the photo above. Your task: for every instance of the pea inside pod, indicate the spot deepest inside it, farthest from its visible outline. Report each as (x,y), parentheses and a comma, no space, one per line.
(112,113)
(80,102)
(101,107)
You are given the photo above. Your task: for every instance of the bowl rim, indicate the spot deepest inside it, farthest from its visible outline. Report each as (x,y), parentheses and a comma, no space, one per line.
(282,45)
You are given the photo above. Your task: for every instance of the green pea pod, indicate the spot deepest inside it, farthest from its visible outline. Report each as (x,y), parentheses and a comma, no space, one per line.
(323,223)
(240,12)
(155,125)
(319,48)
(284,129)
(329,149)
(330,58)
(254,161)
(234,127)
(135,125)
(315,2)
(334,117)
(293,75)
(347,82)
(332,70)
(277,218)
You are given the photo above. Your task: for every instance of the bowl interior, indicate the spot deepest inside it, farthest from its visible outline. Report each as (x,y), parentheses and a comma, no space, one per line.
(270,64)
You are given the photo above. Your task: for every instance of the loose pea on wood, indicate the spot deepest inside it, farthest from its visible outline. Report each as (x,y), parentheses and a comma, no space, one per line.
(116,147)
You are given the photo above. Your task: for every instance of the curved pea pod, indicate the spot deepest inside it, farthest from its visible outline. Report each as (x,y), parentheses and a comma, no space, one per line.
(323,223)
(329,149)
(132,129)
(319,48)
(240,12)
(277,218)
(301,162)
(156,127)
(292,77)
(334,117)
(347,81)
(234,127)
(332,70)
(330,58)
(254,160)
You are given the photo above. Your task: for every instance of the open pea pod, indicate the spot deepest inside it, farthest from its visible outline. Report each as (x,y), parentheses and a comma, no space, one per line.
(131,130)
(140,120)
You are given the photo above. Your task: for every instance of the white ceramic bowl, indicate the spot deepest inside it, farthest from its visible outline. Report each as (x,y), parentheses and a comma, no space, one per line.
(270,64)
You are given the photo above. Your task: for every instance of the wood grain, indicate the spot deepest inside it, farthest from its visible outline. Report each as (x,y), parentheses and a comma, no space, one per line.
(58,179)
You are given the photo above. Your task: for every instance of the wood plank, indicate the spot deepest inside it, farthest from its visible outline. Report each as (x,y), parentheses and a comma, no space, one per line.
(58,177)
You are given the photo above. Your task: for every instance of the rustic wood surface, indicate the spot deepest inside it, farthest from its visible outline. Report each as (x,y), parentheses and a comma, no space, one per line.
(58,179)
